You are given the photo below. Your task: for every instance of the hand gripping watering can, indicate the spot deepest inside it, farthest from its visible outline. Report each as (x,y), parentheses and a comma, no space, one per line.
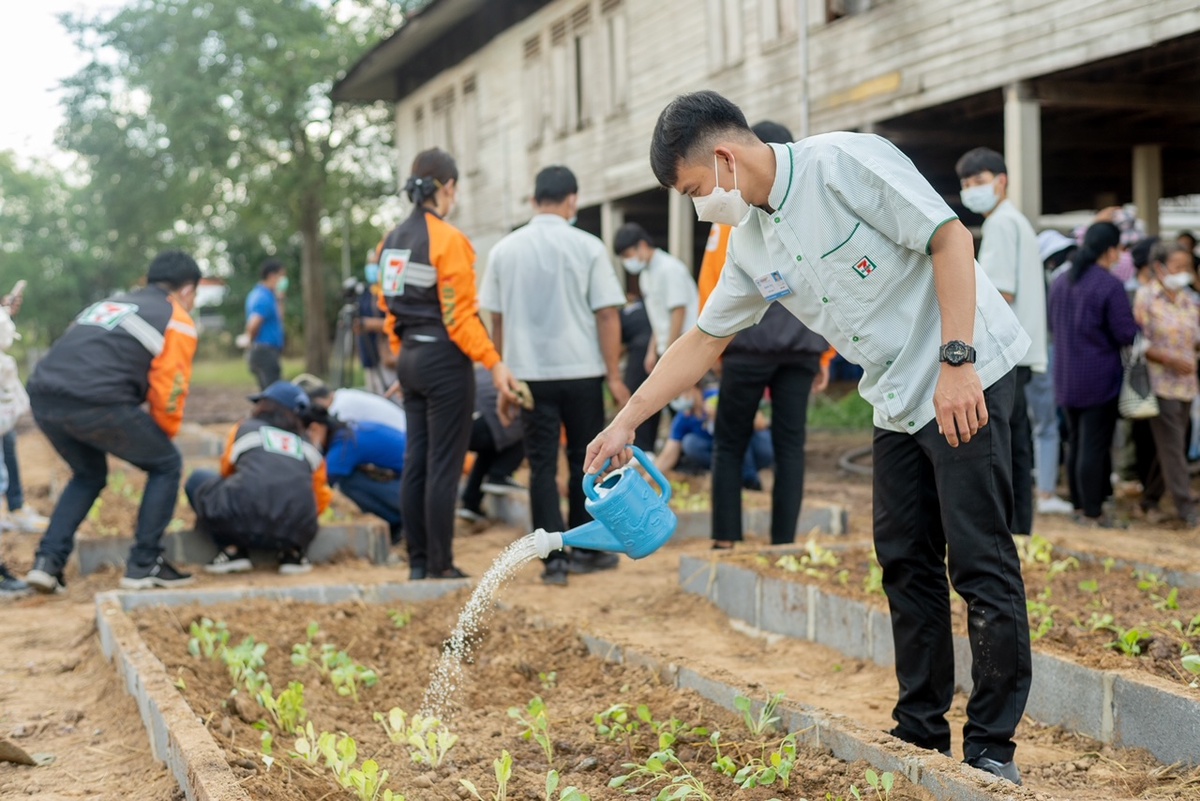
(630,517)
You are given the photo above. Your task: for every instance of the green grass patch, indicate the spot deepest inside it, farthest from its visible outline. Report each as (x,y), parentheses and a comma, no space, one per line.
(847,413)
(233,372)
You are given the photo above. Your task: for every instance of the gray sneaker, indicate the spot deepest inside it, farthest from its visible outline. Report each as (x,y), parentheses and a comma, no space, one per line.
(11,586)
(160,573)
(1005,770)
(46,576)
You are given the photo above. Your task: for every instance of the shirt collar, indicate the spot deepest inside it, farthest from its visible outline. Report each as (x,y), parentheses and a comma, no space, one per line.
(552,219)
(783,175)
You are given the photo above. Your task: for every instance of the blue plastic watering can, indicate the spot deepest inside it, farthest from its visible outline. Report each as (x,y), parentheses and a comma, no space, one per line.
(630,517)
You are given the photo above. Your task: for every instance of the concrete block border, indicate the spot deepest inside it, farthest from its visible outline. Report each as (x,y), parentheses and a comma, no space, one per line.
(1123,708)
(179,739)
(364,540)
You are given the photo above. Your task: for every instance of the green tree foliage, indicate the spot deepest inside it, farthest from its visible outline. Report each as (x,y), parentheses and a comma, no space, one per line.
(210,121)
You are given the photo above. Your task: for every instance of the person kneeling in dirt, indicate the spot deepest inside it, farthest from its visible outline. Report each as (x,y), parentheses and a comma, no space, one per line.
(87,394)
(364,461)
(271,490)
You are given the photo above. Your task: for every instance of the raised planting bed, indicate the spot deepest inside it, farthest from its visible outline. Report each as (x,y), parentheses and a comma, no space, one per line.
(1107,645)
(537,697)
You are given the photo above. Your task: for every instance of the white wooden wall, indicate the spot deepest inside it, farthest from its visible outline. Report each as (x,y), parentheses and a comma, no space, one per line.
(900,56)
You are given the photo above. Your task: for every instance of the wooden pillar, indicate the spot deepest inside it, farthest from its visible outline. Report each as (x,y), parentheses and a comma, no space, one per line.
(1147,184)
(681,224)
(612,217)
(1023,149)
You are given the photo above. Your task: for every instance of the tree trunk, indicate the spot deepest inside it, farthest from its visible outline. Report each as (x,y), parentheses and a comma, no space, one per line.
(312,286)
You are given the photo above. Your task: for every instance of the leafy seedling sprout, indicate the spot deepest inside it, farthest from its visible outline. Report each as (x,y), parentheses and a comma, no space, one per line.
(537,725)
(766,717)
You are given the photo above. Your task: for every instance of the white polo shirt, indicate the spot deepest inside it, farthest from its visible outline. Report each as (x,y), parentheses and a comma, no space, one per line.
(548,279)
(850,240)
(1009,256)
(357,406)
(666,285)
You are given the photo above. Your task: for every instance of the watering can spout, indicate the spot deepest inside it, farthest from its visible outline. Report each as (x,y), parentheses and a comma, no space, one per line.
(630,517)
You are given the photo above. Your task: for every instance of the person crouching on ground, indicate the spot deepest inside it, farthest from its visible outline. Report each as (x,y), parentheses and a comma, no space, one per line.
(364,460)
(271,490)
(87,394)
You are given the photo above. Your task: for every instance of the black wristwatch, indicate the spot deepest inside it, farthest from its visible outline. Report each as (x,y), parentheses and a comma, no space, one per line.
(956,352)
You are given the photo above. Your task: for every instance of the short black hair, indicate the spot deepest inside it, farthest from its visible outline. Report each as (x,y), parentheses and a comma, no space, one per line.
(269,268)
(1144,252)
(554,184)
(629,235)
(173,269)
(773,132)
(1188,234)
(688,123)
(981,159)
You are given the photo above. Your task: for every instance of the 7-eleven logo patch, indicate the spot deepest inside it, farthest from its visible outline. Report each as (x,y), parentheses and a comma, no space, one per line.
(864,267)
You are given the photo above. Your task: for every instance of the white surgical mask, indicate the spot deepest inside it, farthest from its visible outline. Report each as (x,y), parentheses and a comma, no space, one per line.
(633,266)
(723,206)
(1176,281)
(980,199)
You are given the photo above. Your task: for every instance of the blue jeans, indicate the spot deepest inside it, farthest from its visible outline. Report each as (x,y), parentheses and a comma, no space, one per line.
(84,435)
(15,493)
(1039,395)
(760,453)
(379,498)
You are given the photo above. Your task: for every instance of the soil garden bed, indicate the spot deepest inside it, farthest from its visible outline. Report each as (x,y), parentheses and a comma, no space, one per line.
(524,673)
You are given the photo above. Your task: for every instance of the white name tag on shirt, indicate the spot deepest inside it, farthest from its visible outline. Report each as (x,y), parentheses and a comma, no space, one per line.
(772,286)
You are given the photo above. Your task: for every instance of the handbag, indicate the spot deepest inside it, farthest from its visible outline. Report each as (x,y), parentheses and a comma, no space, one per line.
(1136,400)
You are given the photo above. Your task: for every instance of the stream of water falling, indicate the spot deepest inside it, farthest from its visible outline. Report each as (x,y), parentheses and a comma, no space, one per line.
(449,674)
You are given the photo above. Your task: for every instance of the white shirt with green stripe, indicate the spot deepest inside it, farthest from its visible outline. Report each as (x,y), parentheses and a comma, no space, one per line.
(850,237)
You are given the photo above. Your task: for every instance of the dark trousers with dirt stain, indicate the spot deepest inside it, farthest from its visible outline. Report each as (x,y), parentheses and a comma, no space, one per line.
(439,399)
(936,505)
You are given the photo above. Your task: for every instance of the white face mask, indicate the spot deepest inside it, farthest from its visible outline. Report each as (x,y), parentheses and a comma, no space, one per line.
(980,199)
(633,266)
(1177,281)
(723,206)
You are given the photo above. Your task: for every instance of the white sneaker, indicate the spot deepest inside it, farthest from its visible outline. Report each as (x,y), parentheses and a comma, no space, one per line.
(1053,505)
(28,521)
(233,560)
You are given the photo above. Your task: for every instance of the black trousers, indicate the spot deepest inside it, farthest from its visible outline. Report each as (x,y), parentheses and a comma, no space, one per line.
(645,436)
(265,363)
(936,505)
(742,385)
(1089,455)
(439,399)
(578,406)
(490,464)
(1022,458)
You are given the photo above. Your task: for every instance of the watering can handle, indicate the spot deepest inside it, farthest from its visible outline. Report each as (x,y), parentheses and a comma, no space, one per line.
(589,480)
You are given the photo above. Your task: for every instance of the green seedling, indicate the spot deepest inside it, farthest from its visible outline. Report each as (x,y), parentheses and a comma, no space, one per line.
(1098,621)
(548,680)
(873,583)
(400,618)
(245,663)
(669,731)
(208,638)
(1059,566)
(287,709)
(267,739)
(566,794)
(881,783)
(428,739)
(766,717)
(1192,629)
(1191,663)
(340,754)
(1041,618)
(615,723)
(1169,602)
(537,725)
(1034,550)
(680,785)
(811,561)
(1131,641)
(346,679)
(1147,581)
(367,782)
(503,769)
(1090,586)
(1108,564)
(307,747)
(772,767)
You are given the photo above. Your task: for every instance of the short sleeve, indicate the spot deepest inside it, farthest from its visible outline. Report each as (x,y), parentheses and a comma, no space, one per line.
(883,187)
(604,290)
(735,302)
(489,290)
(998,254)
(679,288)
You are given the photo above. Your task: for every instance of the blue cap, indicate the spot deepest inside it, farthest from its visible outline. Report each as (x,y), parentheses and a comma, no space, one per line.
(286,394)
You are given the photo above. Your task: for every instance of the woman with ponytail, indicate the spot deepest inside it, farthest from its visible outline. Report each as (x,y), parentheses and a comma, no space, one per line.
(427,277)
(1092,320)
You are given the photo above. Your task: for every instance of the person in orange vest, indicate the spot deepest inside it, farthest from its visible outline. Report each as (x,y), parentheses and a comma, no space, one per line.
(87,395)
(781,355)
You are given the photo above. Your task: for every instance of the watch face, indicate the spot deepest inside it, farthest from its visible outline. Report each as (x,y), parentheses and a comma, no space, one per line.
(956,352)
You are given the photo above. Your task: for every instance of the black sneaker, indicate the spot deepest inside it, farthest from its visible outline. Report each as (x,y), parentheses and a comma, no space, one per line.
(555,574)
(230,560)
(417,573)
(449,573)
(501,486)
(1005,770)
(159,573)
(46,576)
(293,563)
(592,561)
(11,586)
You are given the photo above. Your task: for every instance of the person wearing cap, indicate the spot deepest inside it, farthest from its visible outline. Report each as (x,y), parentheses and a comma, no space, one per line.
(555,303)
(87,394)
(427,275)
(352,405)
(364,461)
(271,488)
(264,334)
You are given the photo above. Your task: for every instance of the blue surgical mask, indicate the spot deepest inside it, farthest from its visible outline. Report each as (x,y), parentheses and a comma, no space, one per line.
(980,199)
(372,274)
(281,287)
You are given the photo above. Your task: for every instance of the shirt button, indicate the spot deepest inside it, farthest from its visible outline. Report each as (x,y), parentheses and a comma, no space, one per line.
(799,258)
(824,300)
(911,423)
(889,361)
(891,395)
(853,339)
(776,219)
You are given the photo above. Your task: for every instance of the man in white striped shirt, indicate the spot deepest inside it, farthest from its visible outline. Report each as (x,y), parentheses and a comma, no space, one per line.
(843,231)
